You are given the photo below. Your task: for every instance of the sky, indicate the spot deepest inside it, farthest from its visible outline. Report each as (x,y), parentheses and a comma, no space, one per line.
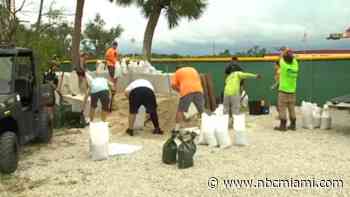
(236,25)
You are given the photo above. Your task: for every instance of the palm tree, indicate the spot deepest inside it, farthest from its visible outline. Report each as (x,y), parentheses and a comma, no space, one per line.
(38,22)
(77,30)
(174,11)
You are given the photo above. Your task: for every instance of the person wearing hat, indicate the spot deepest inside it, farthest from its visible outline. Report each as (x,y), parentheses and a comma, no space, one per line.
(112,57)
(289,69)
(232,66)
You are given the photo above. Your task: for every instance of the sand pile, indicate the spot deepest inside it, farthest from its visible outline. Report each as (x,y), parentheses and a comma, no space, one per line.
(167,106)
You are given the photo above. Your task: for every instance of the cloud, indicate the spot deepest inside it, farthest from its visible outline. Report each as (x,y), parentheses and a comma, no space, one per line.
(235,25)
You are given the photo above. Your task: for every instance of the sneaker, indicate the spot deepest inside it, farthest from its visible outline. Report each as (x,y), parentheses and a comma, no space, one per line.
(130,132)
(158,131)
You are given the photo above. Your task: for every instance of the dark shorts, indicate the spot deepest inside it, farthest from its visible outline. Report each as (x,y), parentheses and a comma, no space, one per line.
(103,96)
(197,99)
(111,71)
(142,96)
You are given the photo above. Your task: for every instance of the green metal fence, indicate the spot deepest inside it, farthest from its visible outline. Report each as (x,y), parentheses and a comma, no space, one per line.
(318,80)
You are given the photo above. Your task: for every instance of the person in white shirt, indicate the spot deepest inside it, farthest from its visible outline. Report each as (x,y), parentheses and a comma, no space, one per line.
(141,92)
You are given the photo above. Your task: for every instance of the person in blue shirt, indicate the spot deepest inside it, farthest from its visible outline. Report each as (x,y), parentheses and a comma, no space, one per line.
(98,89)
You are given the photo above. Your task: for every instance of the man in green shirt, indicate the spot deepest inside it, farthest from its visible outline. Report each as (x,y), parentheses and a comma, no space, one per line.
(289,69)
(232,96)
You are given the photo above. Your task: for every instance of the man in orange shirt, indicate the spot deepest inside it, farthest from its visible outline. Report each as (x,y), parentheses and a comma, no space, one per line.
(187,82)
(112,57)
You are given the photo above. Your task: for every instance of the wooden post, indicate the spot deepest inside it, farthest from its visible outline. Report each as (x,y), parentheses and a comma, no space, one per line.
(205,91)
(211,93)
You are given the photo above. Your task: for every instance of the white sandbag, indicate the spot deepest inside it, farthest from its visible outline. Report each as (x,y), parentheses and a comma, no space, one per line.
(239,122)
(239,127)
(244,99)
(192,111)
(219,110)
(326,123)
(326,120)
(118,72)
(241,138)
(99,139)
(204,121)
(306,110)
(316,117)
(200,139)
(221,131)
(139,123)
(210,137)
(208,130)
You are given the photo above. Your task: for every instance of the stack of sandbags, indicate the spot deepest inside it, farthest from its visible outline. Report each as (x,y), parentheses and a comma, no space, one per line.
(313,117)
(214,131)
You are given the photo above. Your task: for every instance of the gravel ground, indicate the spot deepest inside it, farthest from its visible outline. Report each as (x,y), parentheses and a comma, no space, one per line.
(63,167)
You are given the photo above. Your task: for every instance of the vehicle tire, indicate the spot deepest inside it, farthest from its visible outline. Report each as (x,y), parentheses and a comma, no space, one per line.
(8,152)
(44,128)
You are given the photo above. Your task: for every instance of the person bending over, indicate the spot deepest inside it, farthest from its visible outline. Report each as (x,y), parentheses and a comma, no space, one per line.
(141,92)
(187,82)
(98,89)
